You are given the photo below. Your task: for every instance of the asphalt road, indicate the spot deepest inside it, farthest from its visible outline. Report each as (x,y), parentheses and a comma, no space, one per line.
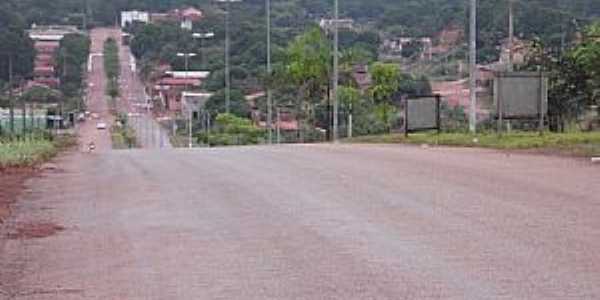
(131,101)
(308,222)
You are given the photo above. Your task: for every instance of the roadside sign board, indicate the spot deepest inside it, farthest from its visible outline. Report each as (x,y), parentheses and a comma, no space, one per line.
(422,113)
(521,95)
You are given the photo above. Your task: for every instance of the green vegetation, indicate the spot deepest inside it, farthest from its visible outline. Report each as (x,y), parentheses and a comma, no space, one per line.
(231,130)
(112,68)
(579,143)
(73,55)
(31,152)
(122,134)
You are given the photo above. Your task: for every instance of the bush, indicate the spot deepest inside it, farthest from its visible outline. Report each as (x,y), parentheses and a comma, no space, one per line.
(231,130)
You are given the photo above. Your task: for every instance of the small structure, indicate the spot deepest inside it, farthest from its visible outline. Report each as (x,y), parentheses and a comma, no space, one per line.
(170,91)
(202,75)
(44,72)
(186,17)
(195,102)
(362,77)
(422,113)
(51,33)
(521,95)
(328,24)
(129,17)
(395,46)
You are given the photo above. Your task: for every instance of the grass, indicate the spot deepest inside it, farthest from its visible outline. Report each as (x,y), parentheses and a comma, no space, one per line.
(575,143)
(31,152)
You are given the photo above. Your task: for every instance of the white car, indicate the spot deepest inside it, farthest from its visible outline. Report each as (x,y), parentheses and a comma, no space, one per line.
(101,126)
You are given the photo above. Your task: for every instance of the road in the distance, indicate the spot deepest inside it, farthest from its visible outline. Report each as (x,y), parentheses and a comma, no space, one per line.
(310,222)
(134,100)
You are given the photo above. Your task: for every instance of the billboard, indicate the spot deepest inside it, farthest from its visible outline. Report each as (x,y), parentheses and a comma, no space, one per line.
(422,113)
(520,95)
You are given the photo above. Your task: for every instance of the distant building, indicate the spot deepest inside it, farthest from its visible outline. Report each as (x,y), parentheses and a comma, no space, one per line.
(170,91)
(186,17)
(362,77)
(173,86)
(129,17)
(328,24)
(395,46)
(46,43)
(51,33)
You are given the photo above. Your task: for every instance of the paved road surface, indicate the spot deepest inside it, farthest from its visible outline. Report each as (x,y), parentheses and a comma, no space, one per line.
(302,222)
(150,134)
(309,222)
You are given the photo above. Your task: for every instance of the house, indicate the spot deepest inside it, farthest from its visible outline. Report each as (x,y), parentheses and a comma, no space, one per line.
(329,24)
(51,33)
(129,17)
(202,75)
(46,43)
(395,46)
(44,72)
(169,90)
(186,17)
(520,51)
(362,77)
(286,121)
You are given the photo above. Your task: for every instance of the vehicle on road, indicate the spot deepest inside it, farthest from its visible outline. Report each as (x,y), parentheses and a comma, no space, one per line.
(101,126)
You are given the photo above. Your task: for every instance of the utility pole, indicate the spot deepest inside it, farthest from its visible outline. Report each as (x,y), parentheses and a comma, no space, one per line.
(227,50)
(511,34)
(85,12)
(336,74)
(227,71)
(202,36)
(186,57)
(11,104)
(473,68)
(269,73)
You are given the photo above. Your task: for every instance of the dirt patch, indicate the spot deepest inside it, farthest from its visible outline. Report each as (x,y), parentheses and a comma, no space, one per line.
(34,231)
(12,185)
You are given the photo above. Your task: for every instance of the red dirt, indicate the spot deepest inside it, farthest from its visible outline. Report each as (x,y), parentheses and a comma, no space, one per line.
(34,231)
(12,182)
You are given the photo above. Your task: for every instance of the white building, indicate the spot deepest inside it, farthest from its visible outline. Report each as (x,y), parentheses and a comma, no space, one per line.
(128,17)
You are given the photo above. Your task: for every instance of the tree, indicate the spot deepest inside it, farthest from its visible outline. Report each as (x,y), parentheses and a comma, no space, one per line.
(40,94)
(587,56)
(308,68)
(238,104)
(72,57)
(230,129)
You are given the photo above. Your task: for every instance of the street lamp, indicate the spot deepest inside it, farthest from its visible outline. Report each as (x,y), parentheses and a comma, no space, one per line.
(269,73)
(187,57)
(473,67)
(227,72)
(336,70)
(202,36)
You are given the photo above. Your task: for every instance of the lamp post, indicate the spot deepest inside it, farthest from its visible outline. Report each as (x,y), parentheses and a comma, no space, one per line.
(202,36)
(227,71)
(187,57)
(336,70)
(269,73)
(473,68)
